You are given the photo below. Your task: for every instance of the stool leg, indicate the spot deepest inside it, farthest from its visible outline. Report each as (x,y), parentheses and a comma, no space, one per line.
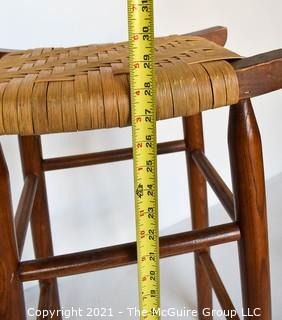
(193,135)
(11,289)
(250,208)
(31,157)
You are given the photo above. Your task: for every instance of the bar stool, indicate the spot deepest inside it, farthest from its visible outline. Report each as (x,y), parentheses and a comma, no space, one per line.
(50,90)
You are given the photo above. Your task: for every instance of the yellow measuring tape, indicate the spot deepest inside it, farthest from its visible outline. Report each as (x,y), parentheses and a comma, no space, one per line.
(143,109)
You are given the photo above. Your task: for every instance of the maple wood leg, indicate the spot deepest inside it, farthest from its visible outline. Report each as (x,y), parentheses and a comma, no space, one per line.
(193,134)
(11,290)
(31,156)
(250,208)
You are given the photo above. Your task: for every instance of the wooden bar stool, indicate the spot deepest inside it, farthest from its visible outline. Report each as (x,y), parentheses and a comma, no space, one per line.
(50,90)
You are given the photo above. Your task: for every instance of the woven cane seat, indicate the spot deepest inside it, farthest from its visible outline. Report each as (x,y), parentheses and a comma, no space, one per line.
(50,90)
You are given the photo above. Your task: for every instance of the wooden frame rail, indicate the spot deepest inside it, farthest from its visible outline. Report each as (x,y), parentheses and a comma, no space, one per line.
(5,51)
(106,156)
(124,254)
(259,74)
(215,181)
(217,34)
(24,210)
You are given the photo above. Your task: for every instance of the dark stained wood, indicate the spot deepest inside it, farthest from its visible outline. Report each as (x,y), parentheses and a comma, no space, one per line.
(259,59)
(219,288)
(106,156)
(193,135)
(259,74)
(216,34)
(24,209)
(250,207)
(45,298)
(11,289)
(124,254)
(31,157)
(5,51)
(217,184)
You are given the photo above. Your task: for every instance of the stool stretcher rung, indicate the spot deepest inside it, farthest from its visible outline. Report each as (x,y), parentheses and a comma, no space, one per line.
(106,156)
(219,287)
(215,181)
(124,254)
(24,209)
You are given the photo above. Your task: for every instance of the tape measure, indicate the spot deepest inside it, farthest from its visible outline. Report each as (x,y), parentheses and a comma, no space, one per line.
(143,110)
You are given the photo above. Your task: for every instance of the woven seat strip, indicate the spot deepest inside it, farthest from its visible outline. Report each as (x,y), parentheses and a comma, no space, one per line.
(49,90)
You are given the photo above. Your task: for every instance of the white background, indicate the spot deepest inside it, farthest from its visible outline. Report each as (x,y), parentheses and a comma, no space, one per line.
(93,206)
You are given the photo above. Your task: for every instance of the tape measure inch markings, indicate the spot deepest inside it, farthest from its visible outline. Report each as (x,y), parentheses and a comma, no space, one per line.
(143,109)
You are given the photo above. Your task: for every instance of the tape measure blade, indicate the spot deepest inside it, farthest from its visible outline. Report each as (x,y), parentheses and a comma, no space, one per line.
(143,109)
